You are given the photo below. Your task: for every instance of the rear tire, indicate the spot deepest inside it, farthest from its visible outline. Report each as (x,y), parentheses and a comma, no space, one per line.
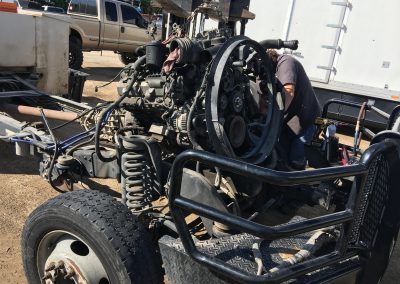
(127,58)
(75,53)
(107,232)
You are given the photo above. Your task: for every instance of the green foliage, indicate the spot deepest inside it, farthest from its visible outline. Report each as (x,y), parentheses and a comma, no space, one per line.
(148,9)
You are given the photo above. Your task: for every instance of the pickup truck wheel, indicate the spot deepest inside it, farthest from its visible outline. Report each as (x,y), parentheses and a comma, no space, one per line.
(75,54)
(127,58)
(88,237)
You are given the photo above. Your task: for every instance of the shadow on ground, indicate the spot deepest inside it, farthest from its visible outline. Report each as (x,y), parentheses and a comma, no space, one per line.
(12,164)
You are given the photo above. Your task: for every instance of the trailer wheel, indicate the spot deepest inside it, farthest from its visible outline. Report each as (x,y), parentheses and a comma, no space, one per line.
(127,58)
(75,53)
(88,237)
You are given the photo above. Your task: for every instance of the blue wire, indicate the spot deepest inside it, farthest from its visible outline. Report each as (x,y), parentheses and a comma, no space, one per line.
(73,142)
(21,140)
(84,133)
(27,140)
(67,142)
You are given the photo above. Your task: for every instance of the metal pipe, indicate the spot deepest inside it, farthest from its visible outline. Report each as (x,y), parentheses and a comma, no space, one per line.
(339,102)
(264,232)
(34,111)
(380,112)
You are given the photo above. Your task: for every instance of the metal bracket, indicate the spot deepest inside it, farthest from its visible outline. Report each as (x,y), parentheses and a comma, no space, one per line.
(346,4)
(333,69)
(293,53)
(298,54)
(342,26)
(337,48)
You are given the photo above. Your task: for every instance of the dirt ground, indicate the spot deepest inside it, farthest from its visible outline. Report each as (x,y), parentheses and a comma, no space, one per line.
(22,190)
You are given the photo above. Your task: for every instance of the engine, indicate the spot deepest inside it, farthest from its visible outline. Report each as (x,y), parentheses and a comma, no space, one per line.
(213,93)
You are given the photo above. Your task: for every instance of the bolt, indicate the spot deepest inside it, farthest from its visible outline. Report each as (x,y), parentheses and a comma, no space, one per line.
(51,266)
(60,265)
(70,273)
(48,275)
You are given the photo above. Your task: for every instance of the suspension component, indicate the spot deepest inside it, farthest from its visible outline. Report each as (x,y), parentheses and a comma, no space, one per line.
(139,179)
(113,123)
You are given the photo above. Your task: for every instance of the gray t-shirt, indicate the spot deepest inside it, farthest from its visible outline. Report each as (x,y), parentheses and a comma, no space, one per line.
(305,104)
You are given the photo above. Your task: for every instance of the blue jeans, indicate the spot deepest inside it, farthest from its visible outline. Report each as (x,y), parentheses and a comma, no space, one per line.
(292,146)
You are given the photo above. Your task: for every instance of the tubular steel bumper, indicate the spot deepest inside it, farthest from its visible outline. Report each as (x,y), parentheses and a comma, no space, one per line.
(179,205)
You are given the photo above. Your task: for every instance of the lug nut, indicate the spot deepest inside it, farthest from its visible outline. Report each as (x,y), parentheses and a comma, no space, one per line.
(48,275)
(57,272)
(60,265)
(50,267)
(70,273)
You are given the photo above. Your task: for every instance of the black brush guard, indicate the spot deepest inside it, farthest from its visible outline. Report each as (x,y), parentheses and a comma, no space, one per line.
(375,172)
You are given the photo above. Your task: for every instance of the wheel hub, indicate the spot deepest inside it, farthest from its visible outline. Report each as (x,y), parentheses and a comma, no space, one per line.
(61,272)
(64,258)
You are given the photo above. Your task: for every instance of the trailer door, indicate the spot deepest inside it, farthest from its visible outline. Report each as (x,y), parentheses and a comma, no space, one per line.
(316,24)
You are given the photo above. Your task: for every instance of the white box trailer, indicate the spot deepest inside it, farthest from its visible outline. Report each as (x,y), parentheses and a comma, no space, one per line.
(350,49)
(36,43)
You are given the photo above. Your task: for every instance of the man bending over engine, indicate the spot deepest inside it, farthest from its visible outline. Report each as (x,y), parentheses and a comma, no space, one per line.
(301,109)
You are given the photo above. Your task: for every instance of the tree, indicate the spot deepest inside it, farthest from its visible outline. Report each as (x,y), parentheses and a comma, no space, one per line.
(148,8)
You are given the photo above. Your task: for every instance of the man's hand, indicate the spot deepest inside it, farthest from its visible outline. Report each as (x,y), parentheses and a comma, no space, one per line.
(288,90)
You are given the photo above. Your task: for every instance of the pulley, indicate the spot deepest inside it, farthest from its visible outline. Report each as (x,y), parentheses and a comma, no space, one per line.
(250,97)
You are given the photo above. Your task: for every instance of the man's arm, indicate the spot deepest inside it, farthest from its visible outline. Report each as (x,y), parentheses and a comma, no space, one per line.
(288,90)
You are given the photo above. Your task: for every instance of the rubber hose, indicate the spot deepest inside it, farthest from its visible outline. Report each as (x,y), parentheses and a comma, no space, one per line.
(189,125)
(110,108)
(184,45)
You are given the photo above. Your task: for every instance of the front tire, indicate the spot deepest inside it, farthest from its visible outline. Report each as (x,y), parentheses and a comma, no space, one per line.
(88,235)
(127,58)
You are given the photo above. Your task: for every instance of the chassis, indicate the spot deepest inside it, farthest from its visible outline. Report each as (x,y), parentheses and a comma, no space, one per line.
(202,197)
(359,219)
